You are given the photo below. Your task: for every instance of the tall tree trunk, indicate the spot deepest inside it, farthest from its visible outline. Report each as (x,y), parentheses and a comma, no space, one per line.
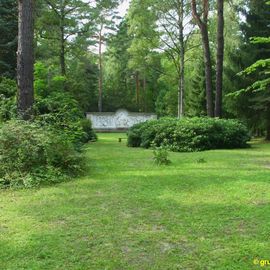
(208,71)
(137,89)
(220,57)
(100,79)
(181,84)
(181,109)
(25,59)
(145,93)
(202,23)
(62,40)
(62,53)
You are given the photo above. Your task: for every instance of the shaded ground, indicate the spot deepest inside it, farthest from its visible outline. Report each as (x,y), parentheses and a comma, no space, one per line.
(131,214)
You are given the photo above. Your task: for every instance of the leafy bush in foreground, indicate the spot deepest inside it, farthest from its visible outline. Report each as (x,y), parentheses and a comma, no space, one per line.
(31,155)
(47,148)
(189,134)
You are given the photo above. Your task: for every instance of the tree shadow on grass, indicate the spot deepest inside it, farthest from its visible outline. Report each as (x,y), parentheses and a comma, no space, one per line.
(139,232)
(144,217)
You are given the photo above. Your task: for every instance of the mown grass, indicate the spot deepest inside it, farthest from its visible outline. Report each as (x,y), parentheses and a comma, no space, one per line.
(129,213)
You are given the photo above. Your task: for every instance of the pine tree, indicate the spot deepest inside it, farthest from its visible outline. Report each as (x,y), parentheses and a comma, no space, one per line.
(253,101)
(25,61)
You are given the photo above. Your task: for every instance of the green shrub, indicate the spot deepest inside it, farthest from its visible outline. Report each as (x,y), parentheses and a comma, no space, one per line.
(189,134)
(143,134)
(201,160)
(134,135)
(31,155)
(90,135)
(161,156)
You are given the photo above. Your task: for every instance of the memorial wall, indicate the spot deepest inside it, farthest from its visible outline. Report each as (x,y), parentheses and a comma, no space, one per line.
(120,120)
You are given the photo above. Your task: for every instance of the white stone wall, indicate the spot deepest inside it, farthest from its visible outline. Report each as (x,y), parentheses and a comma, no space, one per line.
(122,119)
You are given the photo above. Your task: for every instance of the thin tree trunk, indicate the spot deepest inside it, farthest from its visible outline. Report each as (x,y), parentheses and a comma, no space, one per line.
(202,23)
(181,85)
(137,89)
(62,40)
(62,53)
(100,80)
(220,57)
(145,93)
(25,59)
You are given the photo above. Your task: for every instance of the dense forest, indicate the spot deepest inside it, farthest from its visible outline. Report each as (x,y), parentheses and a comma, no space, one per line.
(175,58)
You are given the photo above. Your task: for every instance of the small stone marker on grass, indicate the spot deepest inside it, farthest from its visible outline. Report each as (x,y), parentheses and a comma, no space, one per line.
(120,139)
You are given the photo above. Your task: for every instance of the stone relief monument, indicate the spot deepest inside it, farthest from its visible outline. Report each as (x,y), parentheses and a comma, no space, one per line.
(118,121)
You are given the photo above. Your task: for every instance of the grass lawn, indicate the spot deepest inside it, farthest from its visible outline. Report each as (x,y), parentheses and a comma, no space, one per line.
(129,213)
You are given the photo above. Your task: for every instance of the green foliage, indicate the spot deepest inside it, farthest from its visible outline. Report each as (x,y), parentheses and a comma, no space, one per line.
(8,87)
(49,149)
(134,135)
(47,81)
(167,99)
(130,72)
(161,156)
(58,109)
(90,135)
(32,155)
(251,102)
(256,89)
(82,81)
(195,104)
(61,112)
(143,134)
(8,90)
(190,134)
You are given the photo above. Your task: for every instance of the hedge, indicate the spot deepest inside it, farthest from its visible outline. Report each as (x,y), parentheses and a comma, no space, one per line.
(189,134)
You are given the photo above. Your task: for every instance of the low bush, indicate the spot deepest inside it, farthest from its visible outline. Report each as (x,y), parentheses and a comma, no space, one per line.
(189,134)
(134,135)
(90,134)
(143,134)
(161,156)
(31,155)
